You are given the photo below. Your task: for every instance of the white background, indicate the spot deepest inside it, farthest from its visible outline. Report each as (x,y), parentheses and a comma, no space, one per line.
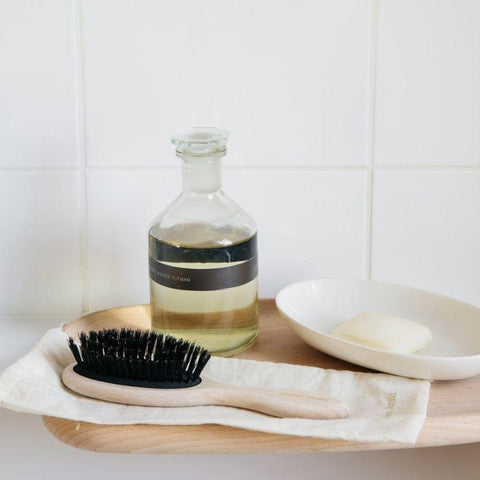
(355,144)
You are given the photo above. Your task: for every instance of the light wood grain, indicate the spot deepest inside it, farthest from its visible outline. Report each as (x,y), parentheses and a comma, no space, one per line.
(278,403)
(453,410)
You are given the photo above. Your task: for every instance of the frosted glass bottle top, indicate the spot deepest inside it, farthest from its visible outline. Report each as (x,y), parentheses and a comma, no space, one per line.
(200,141)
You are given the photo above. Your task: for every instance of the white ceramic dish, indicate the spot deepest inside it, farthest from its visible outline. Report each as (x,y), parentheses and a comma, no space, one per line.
(314,308)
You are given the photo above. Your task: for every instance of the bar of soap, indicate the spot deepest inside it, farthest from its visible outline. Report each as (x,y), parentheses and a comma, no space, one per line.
(386,332)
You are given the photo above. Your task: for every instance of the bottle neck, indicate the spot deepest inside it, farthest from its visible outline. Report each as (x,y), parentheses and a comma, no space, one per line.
(202,174)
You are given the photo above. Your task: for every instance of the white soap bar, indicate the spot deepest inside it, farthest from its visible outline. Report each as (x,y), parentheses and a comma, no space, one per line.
(386,332)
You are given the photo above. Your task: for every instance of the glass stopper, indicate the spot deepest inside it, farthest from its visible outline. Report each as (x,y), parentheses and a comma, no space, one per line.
(200,141)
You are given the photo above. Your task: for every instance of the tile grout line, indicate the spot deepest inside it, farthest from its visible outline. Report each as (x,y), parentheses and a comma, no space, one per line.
(423,168)
(247,168)
(372,76)
(266,168)
(81,143)
(39,169)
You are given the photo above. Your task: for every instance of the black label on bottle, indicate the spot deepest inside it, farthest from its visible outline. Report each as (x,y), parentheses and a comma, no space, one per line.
(242,256)
(203,279)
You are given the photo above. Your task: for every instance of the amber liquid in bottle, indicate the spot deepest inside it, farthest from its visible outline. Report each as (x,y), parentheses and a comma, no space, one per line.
(222,314)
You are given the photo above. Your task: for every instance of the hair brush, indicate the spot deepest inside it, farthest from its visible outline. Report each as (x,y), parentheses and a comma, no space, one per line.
(141,367)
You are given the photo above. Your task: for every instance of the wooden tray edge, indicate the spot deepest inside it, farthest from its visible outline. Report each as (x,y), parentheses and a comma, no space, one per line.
(218,439)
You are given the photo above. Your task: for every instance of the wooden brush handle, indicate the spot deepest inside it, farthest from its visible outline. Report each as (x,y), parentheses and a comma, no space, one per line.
(278,403)
(286,404)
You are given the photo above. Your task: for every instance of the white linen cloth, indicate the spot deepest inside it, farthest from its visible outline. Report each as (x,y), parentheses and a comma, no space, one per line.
(383,407)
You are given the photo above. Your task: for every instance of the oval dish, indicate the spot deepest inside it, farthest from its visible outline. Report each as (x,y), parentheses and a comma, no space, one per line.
(314,308)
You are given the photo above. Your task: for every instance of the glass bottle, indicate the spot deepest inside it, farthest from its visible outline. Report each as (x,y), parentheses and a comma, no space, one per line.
(203,254)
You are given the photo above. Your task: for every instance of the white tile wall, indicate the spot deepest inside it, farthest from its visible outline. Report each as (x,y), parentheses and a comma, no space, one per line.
(426,230)
(37,84)
(295,87)
(40,252)
(428,83)
(289,80)
(329,209)
(121,205)
(311,224)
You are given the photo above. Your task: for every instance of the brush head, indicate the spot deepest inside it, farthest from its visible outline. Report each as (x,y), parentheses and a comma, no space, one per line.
(140,358)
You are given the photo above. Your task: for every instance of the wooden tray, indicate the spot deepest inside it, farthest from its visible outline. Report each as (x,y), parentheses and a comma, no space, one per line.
(453,410)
